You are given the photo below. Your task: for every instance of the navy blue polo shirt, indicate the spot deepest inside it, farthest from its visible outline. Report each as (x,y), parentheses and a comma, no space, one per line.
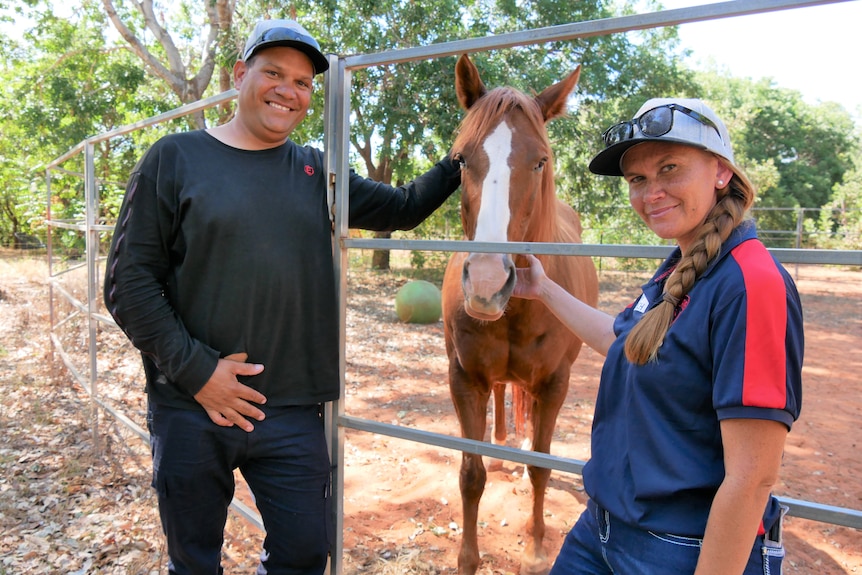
(733,351)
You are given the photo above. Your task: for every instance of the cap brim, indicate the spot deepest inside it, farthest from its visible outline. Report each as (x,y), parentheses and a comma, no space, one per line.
(318,60)
(607,162)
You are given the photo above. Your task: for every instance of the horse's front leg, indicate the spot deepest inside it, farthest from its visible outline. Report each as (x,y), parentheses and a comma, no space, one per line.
(534,560)
(498,428)
(471,404)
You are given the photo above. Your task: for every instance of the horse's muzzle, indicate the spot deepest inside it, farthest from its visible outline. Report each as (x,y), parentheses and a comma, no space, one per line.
(488,281)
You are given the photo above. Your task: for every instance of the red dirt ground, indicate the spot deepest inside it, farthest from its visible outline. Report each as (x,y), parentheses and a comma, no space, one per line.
(404,496)
(64,508)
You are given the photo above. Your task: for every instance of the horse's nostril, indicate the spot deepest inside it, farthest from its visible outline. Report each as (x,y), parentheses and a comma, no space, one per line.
(512,279)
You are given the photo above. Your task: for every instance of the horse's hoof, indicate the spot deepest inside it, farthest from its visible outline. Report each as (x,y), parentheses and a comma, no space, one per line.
(468,565)
(534,566)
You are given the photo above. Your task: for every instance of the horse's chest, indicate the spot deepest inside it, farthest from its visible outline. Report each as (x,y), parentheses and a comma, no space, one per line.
(506,351)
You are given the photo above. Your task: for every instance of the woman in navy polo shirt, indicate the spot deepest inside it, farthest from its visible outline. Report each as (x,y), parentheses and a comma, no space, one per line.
(702,376)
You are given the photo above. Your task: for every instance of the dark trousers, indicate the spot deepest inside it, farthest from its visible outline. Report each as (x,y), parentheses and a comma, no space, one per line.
(285,462)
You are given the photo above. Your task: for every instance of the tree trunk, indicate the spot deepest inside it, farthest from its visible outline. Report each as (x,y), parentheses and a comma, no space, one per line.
(380,258)
(168,63)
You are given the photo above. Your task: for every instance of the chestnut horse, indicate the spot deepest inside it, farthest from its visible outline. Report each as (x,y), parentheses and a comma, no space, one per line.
(508,194)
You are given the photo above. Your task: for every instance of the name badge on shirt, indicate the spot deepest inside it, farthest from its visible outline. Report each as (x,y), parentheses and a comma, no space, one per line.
(642,304)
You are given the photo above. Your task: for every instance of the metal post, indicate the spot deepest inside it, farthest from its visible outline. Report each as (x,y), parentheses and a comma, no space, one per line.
(800,216)
(92,242)
(50,254)
(336,121)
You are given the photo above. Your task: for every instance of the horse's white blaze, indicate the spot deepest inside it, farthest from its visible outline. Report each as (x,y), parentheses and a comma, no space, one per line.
(493,219)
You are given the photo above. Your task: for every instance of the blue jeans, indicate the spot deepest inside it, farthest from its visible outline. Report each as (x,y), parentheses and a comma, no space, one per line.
(285,462)
(598,544)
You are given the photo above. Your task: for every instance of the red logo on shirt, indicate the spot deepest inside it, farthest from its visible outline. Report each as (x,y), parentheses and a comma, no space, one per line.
(309,171)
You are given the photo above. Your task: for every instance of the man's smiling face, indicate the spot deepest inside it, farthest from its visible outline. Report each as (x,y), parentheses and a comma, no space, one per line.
(275,88)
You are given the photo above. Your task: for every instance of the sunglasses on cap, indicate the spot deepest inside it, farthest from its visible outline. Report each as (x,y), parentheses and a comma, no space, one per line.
(653,123)
(298,38)
(278,34)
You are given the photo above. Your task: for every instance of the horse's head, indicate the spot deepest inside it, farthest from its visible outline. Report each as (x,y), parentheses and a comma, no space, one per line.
(507,179)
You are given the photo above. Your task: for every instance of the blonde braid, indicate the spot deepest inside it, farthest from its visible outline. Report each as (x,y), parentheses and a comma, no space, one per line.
(646,337)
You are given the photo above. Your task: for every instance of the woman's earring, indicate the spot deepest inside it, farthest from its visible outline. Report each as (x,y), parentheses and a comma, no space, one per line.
(720,183)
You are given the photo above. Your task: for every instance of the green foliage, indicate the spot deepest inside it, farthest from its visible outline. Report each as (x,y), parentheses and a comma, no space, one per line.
(62,84)
(794,152)
(839,225)
(405,112)
(398,111)
(69,77)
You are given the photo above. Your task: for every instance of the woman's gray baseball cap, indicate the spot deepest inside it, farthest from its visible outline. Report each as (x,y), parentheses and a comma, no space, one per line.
(269,33)
(692,123)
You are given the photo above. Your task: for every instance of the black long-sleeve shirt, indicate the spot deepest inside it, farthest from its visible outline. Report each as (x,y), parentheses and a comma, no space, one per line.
(219,250)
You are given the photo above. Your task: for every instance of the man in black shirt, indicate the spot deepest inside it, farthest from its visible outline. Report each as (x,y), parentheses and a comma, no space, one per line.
(221,274)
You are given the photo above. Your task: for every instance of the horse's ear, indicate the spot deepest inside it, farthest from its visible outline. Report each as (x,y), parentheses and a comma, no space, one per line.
(552,100)
(468,84)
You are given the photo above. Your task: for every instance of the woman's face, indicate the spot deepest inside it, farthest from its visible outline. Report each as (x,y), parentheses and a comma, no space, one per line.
(672,187)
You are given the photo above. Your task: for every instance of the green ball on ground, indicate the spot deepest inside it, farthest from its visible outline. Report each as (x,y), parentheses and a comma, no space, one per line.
(418,301)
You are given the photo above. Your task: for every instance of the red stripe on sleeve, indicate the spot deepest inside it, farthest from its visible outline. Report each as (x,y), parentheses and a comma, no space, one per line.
(764,377)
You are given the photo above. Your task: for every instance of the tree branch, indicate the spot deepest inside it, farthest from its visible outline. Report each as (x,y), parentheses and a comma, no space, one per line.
(220,16)
(141,51)
(175,61)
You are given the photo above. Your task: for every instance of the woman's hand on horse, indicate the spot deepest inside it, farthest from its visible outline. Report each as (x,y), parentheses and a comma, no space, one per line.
(227,401)
(529,284)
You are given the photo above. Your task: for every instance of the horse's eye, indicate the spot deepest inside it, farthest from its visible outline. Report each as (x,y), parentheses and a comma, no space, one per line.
(541,165)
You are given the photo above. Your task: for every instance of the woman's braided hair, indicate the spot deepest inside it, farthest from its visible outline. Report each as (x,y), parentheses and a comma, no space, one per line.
(730,210)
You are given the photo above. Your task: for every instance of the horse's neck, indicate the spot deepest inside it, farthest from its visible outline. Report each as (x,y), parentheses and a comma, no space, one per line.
(545,218)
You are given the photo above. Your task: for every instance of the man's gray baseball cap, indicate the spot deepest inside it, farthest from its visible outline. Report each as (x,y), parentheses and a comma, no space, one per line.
(269,33)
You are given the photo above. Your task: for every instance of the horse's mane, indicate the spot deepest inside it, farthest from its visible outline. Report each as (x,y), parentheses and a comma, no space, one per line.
(490,109)
(485,114)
